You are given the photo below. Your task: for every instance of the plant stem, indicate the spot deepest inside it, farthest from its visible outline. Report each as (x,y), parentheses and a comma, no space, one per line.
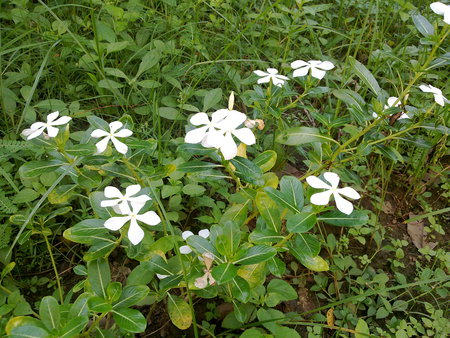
(49,248)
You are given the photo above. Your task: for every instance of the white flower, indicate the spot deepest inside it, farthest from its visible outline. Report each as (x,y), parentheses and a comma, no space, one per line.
(208,135)
(112,135)
(186,234)
(161,276)
(135,233)
(207,278)
(272,74)
(390,103)
(121,201)
(438,97)
(441,9)
(322,198)
(37,128)
(318,68)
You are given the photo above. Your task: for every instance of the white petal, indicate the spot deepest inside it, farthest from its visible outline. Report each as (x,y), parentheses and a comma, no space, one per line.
(233,120)
(439,99)
(99,133)
(149,218)
(142,199)
(272,71)
(299,63)
(161,276)
(136,207)
(35,133)
(245,135)
(349,192)
(404,116)
(201,282)
(426,88)
(123,208)
(301,71)
(37,125)
(120,146)
(321,198)
(211,279)
(332,178)
(135,233)
(199,119)
(101,145)
(317,73)
(115,223)
(314,63)
(62,120)
(343,205)
(187,234)
(264,79)
(204,233)
(109,203)
(52,131)
(213,139)
(228,148)
(374,115)
(114,126)
(326,65)
(277,81)
(132,190)
(439,8)
(260,73)
(447,16)
(185,250)
(220,114)
(112,192)
(123,133)
(391,101)
(53,116)
(317,183)
(196,135)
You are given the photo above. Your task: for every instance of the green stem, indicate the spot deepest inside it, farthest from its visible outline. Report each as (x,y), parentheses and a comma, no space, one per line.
(58,282)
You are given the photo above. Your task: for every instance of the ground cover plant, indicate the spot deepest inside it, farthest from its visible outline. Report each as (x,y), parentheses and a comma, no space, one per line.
(224,168)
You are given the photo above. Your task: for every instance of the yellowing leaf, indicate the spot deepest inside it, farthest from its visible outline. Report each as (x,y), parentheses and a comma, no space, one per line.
(253,274)
(179,312)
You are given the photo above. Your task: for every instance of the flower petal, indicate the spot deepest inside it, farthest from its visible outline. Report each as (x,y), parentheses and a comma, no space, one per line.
(264,79)
(299,63)
(426,88)
(332,178)
(109,203)
(439,8)
(185,250)
(114,126)
(272,71)
(187,234)
(201,282)
(120,146)
(199,119)
(123,133)
(135,233)
(115,223)
(343,205)
(132,190)
(196,135)
(161,276)
(260,73)
(101,145)
(37,125)
(391,101)
(245,135)
(213,139)
(277,81)
(321,198)
(204,233)
(349,192)
(220,114)
(35,133)
(53,116)
(99,133)
(112,192)
(317,73)
(62,120)
(439,99)
(52,131)
(149,218)
(142,199)
(326,65)
(301,71)
(228,148)
(317,183)
(447,17)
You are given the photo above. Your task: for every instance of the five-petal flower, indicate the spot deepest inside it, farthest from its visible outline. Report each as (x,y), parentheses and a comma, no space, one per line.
(37,128)
(135,233)
(318,68)
(271,74)
(186,234)
(322,198)
(112,135)
(208,135)
(441,9)
(121,201)
(438,97)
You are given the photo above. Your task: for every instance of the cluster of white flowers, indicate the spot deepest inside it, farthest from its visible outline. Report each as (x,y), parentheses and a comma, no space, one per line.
(301,68)
(129,206)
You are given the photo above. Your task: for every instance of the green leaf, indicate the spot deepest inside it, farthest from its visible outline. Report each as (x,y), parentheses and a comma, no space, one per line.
(170,113)
(269,211)
(114,291)
(301,135)
(149,84)
(365,75)
(362,329)
(89,179)
(141,274)
(314,263)
(304,244)
(25,195)
(99,276)
(87,231)
(351,98)
(193,189)
(100,248)
(301,222)
(131,295)
(109,84)
(248,171)
(240,289)
(95,198)
(423,25)
(224,273)
(81,149)
(290,195)
(49,312)
(266,160)
(236,213)
(79,308)
(73,327)
(389,152)
(256,254)
(279,291)
(130,320)
(99,304)
(212,98)
(335,217)
(201,245)
(228,239)
(179,312)
(28,331)
(149,60)
(265,236)
(33,169)
(195,166)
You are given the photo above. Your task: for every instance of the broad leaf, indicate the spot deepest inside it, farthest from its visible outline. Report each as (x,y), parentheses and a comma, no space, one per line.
(279,291)
(365,75)
(49,312)
(266,160)
(301,135)
(179,312)
(335,217)
(423,25)
(223,273)
(256,254)
(99,275)
(130,320)
(131,295)
(194,166)
(268,210)
(301,222)
(248,171)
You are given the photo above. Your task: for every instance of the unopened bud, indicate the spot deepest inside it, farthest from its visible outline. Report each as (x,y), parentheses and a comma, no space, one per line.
(231,101)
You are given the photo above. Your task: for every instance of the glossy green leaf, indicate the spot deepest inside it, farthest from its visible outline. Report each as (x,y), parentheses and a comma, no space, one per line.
(196,165)
(265,236)
(131,295)
(227,241)
(269,211)
(49,312)
(130,320)
(335,217)
(33,169)
(236,213)
(99,305)
(304,244)
(240,289)
(256,254)
(212,98)
(279,291)
(301,222)
(99,275)
(114,291)
(365,75)
(248,171)
(266,160)
(423,25)
(224,273)
(300,135)
(87,231)
(73,327)
(362,329)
